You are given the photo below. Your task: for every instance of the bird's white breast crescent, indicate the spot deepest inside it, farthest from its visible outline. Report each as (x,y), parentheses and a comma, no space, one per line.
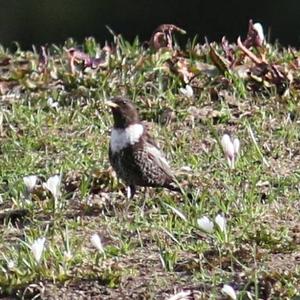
(121,138)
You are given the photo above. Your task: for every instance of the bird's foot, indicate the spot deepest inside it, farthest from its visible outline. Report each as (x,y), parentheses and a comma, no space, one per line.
(130,191)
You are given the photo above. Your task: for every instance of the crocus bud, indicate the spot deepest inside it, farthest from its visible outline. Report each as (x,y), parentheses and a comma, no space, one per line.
(96,242)
(236,146)
(30,182)
(231,149)
(53,185)
(260,39)
(228,149)
(37,248)
(205,224)
(229,292)
(221,222)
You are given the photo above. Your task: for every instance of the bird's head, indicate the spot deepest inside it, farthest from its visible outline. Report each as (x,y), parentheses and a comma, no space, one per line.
(124,112)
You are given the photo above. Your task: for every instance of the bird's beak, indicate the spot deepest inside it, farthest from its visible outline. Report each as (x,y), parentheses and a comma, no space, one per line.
(111,104)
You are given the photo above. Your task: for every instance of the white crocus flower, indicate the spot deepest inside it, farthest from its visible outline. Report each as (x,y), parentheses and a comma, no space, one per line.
(229,291)
(260,32)
(231,149)
(96,242)
(221,222)
(37,248)
(53,185)
(187,91)
(30,182)
(205,224)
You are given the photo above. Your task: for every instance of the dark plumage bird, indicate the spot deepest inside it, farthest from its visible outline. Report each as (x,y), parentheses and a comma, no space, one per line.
(133,154)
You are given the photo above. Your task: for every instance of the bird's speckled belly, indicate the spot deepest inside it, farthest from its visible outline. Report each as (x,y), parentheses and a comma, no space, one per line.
(126,169)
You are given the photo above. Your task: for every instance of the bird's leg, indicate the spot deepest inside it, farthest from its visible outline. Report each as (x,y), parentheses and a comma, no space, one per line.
(130,193)
(144,203)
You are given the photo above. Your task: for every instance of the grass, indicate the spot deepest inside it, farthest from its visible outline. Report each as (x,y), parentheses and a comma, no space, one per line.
(155,248)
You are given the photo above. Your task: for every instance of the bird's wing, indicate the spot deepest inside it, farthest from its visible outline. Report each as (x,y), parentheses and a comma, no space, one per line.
(156,155)
(158,159)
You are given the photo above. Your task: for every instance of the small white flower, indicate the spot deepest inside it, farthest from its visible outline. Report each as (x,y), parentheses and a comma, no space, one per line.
(68,255)
(10,264)
(205,224)
(221,222)
(229,291)
(37,248)
(52,103)
(231,149)
(30,182)
(187,91)
(96,242)
(53,185)
(260,32)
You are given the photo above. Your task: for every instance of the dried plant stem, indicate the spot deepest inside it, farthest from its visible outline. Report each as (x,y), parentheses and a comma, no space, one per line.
(256,145)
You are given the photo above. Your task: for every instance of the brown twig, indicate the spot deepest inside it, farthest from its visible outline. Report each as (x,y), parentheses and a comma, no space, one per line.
(251,55)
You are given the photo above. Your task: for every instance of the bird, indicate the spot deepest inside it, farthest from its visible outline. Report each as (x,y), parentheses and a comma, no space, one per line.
(134,154)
